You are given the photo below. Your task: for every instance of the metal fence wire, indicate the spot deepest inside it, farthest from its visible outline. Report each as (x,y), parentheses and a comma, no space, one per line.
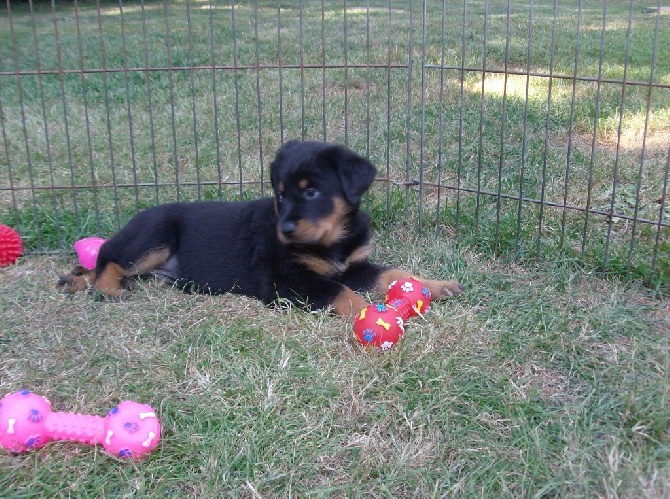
(532,130)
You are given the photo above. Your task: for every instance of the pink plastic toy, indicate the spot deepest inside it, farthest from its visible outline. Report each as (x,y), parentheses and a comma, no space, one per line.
(11,245)
(383,325)
(130,430)
(87,250)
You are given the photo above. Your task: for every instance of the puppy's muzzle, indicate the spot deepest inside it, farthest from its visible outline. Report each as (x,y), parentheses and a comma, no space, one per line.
(288,228)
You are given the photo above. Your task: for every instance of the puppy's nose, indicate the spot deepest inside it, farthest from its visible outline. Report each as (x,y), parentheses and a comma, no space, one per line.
(288,228)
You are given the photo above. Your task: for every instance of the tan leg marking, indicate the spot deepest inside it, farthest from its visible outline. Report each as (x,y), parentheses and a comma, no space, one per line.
(150,261)
(348,304)
(110,280)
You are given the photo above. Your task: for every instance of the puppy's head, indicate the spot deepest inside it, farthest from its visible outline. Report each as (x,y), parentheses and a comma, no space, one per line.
(318,188)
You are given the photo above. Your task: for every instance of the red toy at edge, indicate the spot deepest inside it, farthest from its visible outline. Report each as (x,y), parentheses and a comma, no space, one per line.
(11,245)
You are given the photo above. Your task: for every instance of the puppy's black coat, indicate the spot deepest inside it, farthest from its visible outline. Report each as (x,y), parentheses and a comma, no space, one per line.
(307,244)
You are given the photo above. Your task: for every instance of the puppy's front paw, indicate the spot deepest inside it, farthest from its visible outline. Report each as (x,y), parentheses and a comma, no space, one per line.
(79,279)
(444,289)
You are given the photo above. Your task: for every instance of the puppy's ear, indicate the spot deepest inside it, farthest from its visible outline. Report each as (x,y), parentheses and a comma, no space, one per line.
(355,172)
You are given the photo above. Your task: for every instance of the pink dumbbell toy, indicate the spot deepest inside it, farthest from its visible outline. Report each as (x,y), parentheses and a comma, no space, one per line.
(130,430)
(383,325)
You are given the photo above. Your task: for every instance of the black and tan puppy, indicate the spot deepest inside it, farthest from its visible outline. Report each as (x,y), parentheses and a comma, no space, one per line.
(309,244)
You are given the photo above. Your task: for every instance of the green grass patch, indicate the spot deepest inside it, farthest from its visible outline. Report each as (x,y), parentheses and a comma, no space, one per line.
(534,382)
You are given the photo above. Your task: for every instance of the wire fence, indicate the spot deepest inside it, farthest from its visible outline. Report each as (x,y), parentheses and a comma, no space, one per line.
(533,131)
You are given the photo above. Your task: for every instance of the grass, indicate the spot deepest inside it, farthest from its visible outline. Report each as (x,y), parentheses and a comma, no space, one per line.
(534,383)
(548,378)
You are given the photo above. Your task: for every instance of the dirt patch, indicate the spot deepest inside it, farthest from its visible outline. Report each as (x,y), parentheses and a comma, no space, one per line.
(631,141)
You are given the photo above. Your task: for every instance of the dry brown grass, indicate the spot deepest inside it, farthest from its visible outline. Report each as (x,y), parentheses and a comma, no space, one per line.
(533,380)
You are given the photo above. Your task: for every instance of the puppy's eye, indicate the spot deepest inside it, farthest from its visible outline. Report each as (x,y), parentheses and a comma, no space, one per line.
(311,193)
(280,197)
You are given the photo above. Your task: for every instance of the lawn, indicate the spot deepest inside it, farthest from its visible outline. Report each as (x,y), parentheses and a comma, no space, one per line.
(548,377)
(535,383)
